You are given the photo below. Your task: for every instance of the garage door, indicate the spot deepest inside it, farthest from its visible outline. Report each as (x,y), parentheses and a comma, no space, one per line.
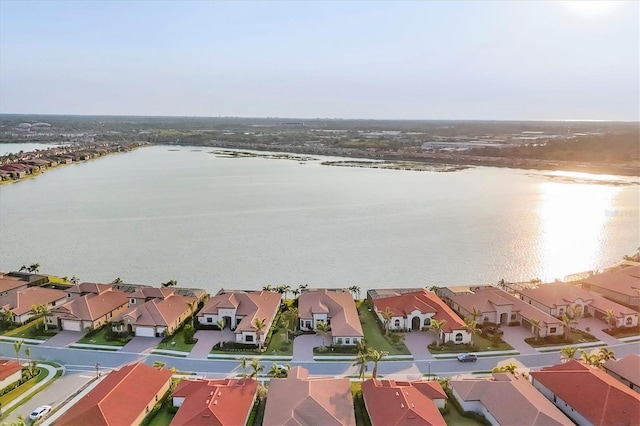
(71,325)
(145,332)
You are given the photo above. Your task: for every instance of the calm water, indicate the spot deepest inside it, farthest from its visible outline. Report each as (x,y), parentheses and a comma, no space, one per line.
(11,148)
(155,214)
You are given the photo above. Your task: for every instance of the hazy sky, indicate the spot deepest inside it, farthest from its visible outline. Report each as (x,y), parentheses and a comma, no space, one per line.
(407,60)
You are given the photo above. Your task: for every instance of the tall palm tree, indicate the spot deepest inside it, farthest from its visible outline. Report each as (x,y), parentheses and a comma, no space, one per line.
(386,315)
(291,317)
(7,316)
(475,313)
(34,267)
(17,345)
(116,281)
(192,308)
(323,329)
(27,352)
(376,356)
(606,354)
(42,311)
(535,323)
(159,364)
(567,353)
(472,328)
(256,367)
(243,365)
(23,268)
(220,325)
(437,327)
(361,361)
(170,283)
(567,324)
(611,317)
(260,325)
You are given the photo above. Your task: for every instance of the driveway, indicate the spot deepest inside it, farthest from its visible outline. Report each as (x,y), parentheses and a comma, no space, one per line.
(303,347)
(595,327)
(515,337)
(417,342)
(64,338)
(207,339)
(142,345)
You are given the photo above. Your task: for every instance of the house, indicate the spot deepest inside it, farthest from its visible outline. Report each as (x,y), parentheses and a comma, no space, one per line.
(507,399)
(239,310)
(493,305)
(10,284)
(303,400)
(156,317)
(83,289)
(621,286)
(32,279)
(391,402)
(559,298)
(123,397)
(10,372)
(625,370)
(414,311)
(588,395)
(21,302)
(89,311)
(224,402)
(335,307)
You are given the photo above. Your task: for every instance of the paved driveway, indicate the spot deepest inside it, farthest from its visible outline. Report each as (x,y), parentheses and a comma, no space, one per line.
(417,342)
(303,347)
(515,337)
(207,339)
(595,327)
(64,338)
(141,345)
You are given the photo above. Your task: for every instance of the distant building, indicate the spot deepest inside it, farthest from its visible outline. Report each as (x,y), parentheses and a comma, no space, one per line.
(626,370)
(621,286)
(335,307)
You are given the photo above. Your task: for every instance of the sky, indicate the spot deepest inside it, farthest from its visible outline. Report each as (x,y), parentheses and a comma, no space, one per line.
(505,60)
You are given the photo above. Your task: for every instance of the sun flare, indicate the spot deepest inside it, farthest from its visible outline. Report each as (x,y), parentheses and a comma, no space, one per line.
(591,9)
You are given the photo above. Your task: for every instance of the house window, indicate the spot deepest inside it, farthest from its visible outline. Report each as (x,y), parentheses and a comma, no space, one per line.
(133,301)
(248,338)
(552,330)
(486,319)
(156,398)
(629,321)
(347,341)
(560,311)
(397,323)
(427,322)
(209,319)
(459,337)
(339,340)
(69,295)
(513,317)
(307,324)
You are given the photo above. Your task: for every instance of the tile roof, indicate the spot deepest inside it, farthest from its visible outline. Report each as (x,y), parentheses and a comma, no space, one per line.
(91,306)
(214,402)
(339,307)
(391,402)
(624,281)
(248,304)
(8,367)
(627,367)
(8,283)
(22,301)
(159,312)
(89,288)
(151,292)
(303,400)
(119,398)
(423,301)
(511,400)
(594,394)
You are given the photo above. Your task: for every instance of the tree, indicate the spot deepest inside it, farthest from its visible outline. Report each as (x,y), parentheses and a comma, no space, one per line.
(472,328)
(475,313)
(74,280)
(386,315)
(567,324)
(192,308)
(291,316)
(278,371)
(535,324)
(220,325)
(260,325)
(267,287)
(243,365)
(437,327)
(507,368)
(256,368)
(116,281)
(17,345)
(355,289)
(23,268)
(170,283)
(575,311)
(159,364)
(567,353)
(27,352)
(34,267)
(361,362)
(323,329)
(41,311)
(376,356)
(606,354)
(611,317)
(590,359)
(7,316)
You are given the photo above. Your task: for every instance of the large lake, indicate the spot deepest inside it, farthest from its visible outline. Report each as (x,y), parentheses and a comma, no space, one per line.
(162,213)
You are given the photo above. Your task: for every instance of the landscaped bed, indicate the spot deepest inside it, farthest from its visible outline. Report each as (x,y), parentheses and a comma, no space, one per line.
(374,337)
(575,336)
(101,337)
(623,331)
(176,342)
(32,330)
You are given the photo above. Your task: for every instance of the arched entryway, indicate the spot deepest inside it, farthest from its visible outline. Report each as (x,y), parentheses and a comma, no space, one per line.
(227,322)
(415,324)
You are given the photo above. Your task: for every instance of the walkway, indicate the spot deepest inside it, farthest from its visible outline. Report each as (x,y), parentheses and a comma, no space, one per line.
(595,327)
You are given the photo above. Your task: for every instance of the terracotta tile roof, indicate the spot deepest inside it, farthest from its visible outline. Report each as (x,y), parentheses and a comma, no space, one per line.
(214,402)
(302,400)
(248,304)
(392,402)
(151,292)
(625,281)
(22,301)
(8,283)
(91,306)
(89,288)
(339,307)
(511,400)
(594,394)
(627,367)
(119,398)
(160,312)
(8,367)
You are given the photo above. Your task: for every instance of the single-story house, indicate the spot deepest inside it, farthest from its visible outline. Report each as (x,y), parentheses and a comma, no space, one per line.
(224,402)
(123,397)
(558,299)
(414,311)
(10,372)
(507,399)
(239,310)
(21,302)
(155,317)
(83,289)
(588,395)
(10,284)
(88,312)
(391,402)
(621,286)
(335,307)
(626,370)
(303,400)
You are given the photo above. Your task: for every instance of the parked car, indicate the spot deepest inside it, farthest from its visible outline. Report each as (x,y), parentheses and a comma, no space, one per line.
(467,357)
(40,412)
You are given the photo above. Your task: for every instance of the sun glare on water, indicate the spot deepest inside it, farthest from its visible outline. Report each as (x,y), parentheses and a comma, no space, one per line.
(591,9)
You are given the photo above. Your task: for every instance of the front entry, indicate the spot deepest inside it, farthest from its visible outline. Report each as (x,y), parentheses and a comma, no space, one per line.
(503,318)
(415,324)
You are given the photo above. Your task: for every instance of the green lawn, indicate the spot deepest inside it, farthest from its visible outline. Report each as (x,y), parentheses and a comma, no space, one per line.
(373,336)
(454,418)
(163,417)
(176,342)
(574,337)
(25,331)
(362,417)
(278,345)
(481,345)
(100,339)
(23,388)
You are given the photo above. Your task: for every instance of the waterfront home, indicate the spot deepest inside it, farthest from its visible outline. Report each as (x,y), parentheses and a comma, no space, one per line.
(123,397)
(414,312)
(507,399)
(89,311)
(558,299)
(621,286)
(156,317)
(303,400)
(588,395)
(335,307)
(239,310)
(10,284)
(21,302)
(493,305)
(392,402)
(10,372)
(626,370)
(83,289)
(224,402)
(31,279)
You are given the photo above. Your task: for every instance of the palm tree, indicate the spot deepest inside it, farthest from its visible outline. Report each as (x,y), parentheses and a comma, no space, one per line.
(386,315)
(437,327)
(34,267)
(259,325)
(361,361)
(590,359)
(243,365)
(535,323)
(27,352)
(606,354)
(17,345)
(267,287)
(472,328)
(567,324)
(611,317)
(159,364)
(116,281)
(41,311)
(567,353)
(323,329)
(170,283)
(192,308)
(220,325)
(277,371)
(256,367)
(475,313)
(575,311)
(7,316)
(23,268)
(355,289)
(507,368)
(74,280)
(376,356)
(291,316)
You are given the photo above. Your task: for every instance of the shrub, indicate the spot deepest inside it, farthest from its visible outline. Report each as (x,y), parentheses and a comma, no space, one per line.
(285,347)
(514,324)
(188,333)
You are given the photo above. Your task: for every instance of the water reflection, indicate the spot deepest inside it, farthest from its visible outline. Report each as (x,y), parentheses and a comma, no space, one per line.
(572,226)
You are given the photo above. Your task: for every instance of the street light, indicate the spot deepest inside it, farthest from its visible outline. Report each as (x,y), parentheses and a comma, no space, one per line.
(429,364)
(97,370)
